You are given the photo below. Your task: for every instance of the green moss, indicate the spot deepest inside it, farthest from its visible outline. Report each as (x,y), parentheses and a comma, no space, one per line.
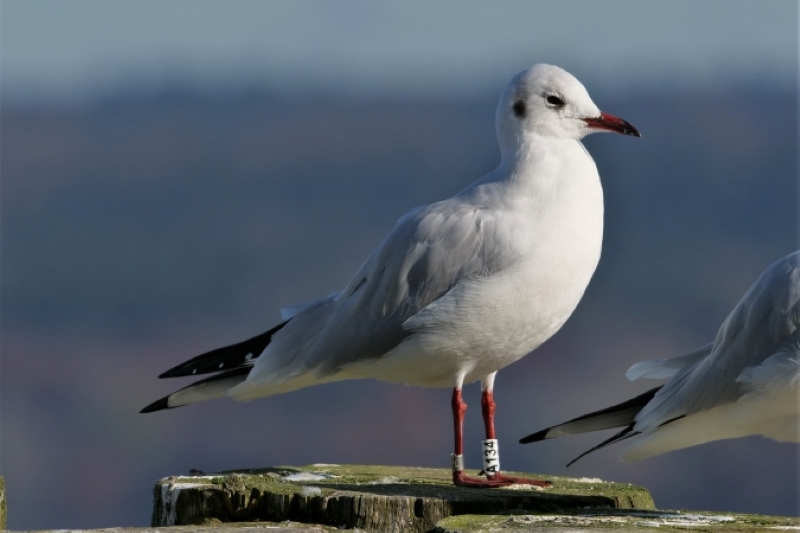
(3,505)
(613,519)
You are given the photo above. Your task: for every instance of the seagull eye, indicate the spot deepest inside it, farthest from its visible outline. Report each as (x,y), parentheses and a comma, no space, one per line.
(555,101)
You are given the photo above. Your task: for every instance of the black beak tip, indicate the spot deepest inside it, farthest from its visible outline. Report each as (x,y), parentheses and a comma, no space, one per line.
(633,132)
(626,128)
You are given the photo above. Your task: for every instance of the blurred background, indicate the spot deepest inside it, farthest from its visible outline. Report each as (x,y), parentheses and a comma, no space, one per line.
(173,173)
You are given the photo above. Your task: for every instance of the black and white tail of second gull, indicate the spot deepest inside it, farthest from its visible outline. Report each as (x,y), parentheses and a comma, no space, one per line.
(747,382)
(458,289)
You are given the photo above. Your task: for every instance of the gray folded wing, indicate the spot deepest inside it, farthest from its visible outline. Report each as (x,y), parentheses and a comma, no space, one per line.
(666,368)
(766,317)
(430,250)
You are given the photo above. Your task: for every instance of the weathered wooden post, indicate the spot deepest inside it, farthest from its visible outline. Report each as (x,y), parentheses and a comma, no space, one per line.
(396,499)
(376,498)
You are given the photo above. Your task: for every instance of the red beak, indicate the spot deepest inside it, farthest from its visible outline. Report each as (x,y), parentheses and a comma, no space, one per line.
(611,123)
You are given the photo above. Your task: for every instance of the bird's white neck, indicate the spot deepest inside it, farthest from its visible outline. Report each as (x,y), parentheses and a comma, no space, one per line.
(538,164)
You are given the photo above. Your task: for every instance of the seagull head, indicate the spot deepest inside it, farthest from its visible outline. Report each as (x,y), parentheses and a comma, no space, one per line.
(548,101)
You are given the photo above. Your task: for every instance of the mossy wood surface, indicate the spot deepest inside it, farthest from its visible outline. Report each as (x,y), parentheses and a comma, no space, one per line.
(212,527)
(375,498)
(618,520)
(246,527)
(3,506)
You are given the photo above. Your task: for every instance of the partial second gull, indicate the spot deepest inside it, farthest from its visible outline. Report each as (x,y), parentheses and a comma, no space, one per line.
(747,382)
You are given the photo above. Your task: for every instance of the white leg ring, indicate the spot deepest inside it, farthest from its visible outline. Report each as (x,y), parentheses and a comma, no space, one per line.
(491,456)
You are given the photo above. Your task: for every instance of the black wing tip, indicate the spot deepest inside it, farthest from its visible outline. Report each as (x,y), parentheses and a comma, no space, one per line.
(174,373)
(535,437)
(157,405)
(190,367)
(625,433)
(638,401)
(225,358)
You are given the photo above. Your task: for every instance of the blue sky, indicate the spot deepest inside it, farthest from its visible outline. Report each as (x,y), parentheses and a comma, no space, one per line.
(58,49)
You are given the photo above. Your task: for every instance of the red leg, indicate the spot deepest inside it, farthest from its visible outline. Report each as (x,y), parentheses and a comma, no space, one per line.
(488,408)
(459,479)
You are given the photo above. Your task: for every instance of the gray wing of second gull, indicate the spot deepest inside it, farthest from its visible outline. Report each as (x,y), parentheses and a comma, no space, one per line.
(758,327)
(666,368)
(430,250)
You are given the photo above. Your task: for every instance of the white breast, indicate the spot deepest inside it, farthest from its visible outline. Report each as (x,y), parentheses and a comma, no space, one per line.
(484,324)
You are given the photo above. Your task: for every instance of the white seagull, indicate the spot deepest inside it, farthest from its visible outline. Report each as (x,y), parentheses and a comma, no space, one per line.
(458,289)
(747,382)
